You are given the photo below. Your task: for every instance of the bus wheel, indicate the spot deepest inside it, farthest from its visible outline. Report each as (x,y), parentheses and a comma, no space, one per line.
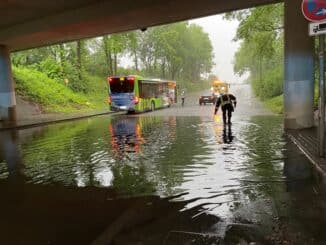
(152,106)
(131,112)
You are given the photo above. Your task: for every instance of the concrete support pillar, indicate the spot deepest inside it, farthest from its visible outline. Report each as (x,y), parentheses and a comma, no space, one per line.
(7,92)
(298,69)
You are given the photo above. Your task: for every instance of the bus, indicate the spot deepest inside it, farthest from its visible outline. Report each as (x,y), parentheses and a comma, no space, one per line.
(219,86)
(134,93)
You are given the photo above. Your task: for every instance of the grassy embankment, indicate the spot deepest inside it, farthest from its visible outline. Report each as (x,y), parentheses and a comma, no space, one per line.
(55,96)
(275,104)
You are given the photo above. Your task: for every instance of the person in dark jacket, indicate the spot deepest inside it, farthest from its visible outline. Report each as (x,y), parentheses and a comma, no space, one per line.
(227,102)
(183,96)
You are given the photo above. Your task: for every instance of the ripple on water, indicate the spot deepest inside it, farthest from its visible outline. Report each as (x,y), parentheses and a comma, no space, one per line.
(169,154)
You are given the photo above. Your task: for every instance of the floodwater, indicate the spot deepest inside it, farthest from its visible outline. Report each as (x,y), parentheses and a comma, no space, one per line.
(158,178)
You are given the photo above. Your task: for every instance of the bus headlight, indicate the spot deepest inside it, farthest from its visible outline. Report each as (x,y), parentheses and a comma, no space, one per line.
(136,100)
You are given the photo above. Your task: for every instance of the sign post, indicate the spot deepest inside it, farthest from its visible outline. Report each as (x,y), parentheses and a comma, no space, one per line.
(321,104)
(315,11)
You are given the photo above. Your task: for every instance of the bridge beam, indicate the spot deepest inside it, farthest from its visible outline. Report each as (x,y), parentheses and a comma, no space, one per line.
(298,69)
(7,91)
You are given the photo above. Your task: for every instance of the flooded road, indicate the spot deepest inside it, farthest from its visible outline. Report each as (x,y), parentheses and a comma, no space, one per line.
(173,176)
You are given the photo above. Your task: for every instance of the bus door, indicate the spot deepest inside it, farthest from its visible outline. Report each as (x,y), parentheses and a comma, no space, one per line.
(172,92)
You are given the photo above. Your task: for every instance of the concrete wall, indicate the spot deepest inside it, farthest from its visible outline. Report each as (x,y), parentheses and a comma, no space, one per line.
(33,23)
(298,68)
(7,92)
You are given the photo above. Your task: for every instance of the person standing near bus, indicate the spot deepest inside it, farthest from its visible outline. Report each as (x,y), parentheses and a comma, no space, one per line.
(227,102)
(183,96)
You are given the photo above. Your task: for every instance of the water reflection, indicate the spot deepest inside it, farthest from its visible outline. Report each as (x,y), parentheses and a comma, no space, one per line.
(11,165)
(126,135)
(227,134)
(124,171)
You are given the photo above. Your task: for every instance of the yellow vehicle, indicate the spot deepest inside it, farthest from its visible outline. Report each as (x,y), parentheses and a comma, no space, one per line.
(219,86)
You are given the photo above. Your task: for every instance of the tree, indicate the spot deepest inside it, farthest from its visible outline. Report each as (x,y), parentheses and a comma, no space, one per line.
(179,51)
(261,51)
(113,46)
(132,44)
(199,60)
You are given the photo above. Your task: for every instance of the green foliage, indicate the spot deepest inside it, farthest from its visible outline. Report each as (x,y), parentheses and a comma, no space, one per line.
(316,93)
(33,56)
(58,62)
(97,92)
(58,77)
(194,86)
(179,51)
(275,104)
(38,87)
(130,71)
(96,62)
(72,75)
(261,50)
(271,85)
(51,68)
(77,82)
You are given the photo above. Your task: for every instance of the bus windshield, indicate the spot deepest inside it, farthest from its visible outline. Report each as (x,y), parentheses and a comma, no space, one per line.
(118,85)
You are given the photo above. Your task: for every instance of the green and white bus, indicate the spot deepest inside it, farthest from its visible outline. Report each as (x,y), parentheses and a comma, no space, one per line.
(134,93)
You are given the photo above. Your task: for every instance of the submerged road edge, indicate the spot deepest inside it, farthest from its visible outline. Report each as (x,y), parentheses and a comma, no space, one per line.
(37,121)
(316,161)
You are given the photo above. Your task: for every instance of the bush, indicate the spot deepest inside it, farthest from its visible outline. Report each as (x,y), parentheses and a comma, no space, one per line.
(51,68)
(276,104)
(271,84)
(39,88)
(62,72)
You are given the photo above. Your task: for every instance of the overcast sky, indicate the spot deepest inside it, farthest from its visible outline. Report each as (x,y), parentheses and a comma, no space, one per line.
(221,32)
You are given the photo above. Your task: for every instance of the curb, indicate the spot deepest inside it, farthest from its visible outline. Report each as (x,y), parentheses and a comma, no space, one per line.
(313,159)
(39,122)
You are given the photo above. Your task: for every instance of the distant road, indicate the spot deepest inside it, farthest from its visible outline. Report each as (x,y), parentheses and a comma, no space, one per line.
(248,105)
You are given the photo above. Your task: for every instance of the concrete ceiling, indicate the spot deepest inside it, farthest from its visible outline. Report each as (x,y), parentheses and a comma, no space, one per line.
(32,23)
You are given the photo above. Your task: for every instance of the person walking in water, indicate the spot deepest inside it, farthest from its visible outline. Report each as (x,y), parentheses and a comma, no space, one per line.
(227,102)
(183,95)
(227,134)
